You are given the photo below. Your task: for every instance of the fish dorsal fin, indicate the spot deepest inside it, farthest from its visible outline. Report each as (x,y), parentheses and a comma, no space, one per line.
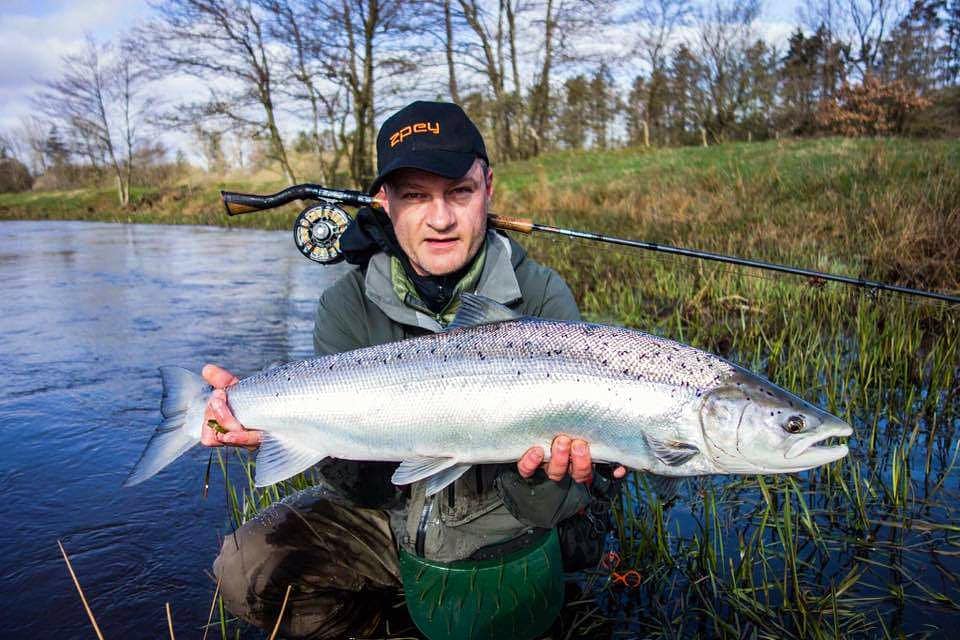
(476,310)
(671,453)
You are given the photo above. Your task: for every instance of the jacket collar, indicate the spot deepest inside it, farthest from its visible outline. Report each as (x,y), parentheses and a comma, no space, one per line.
(498,281)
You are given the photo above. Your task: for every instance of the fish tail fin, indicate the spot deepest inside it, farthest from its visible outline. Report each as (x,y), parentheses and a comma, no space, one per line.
(184,401)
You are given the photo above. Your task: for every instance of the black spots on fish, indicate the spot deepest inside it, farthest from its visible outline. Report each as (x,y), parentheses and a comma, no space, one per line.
(510,345)
(518,371)
(621,353)
(433,349)
(399,356)
(606,363)
(626,372)
(699,392)
(557,352)
(276,395)
(548,374)
(330,367)
(358,361)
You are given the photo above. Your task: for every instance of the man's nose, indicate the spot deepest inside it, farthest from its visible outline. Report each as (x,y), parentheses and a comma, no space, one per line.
(441,216)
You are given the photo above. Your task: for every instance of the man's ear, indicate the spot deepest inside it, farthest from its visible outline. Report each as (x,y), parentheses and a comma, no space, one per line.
(489,184)
(381,196)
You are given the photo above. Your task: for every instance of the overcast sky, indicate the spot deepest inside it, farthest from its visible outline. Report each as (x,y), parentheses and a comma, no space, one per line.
(35,34)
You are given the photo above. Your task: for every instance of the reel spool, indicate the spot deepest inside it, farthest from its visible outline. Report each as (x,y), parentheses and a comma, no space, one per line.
(317,232)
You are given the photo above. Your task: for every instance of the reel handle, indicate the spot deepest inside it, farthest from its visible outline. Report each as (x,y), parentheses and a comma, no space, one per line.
(240,203)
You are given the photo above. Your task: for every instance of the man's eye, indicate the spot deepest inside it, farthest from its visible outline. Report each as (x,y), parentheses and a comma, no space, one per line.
(413,195)
(462,190)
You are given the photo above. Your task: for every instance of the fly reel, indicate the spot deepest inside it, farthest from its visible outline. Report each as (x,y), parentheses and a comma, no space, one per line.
(317,232)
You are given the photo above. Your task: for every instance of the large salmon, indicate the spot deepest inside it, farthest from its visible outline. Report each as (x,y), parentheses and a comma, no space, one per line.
(495,384)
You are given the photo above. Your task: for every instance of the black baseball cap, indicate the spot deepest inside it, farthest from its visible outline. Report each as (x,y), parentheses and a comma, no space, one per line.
(432,136)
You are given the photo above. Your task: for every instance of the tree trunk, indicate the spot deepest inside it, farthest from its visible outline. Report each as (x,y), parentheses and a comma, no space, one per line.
(451,70)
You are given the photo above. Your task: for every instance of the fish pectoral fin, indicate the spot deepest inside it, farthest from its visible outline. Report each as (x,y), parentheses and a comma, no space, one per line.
(666,487)
(439,481)
(416,469)
(475,310)
(671,452)
(282,457)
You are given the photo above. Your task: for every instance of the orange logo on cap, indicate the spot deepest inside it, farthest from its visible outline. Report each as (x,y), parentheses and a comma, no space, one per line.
(410,129)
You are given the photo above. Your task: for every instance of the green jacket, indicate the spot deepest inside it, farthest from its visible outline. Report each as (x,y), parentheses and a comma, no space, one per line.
(363,309)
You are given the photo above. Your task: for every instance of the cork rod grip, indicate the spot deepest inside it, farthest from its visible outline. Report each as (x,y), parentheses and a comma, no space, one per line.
(521,225)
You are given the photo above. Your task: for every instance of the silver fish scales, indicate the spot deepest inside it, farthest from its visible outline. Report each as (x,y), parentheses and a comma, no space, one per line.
(495,384)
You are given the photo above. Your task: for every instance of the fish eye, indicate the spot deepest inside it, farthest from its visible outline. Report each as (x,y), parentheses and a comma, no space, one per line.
(794,424)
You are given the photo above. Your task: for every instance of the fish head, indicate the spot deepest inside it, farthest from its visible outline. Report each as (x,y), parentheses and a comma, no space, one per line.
(753,426)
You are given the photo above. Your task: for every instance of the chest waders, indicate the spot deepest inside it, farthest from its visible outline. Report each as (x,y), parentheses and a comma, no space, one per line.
(516,596)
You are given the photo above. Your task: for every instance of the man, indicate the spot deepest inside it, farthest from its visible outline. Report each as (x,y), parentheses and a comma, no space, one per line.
(413,261)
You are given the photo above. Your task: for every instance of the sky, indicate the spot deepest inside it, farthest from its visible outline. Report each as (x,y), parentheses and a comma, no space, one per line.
(35,35)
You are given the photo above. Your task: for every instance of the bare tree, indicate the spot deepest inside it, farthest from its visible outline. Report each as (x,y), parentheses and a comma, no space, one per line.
(311,78)
(871,21)
(725,33)
(657,24)
(98,102)
(488,34)
(223,42)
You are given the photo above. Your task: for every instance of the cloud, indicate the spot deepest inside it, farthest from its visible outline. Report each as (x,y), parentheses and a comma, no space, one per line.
(34,36)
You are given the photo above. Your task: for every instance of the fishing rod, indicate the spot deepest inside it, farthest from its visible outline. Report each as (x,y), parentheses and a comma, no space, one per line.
(318,228)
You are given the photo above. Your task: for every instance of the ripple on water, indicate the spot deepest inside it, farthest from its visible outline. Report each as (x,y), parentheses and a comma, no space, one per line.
(82,333)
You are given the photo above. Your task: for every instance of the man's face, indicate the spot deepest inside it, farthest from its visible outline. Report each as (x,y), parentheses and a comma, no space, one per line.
(439,222)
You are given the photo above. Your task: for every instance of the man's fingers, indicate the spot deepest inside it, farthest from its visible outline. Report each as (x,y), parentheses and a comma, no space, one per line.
(530,461)
(241,438)
(581,465)
(218,377)
(559,458)
(619,473)
(221,411)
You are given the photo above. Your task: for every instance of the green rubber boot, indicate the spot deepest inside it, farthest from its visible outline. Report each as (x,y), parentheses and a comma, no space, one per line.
(517,596)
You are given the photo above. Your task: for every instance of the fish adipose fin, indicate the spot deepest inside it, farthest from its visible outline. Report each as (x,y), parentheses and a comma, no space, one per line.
(184,400)
(280,458)
(671,453)
(438,472)
(476,310)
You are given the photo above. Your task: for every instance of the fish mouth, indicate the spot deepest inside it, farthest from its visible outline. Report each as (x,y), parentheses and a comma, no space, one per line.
(805,451)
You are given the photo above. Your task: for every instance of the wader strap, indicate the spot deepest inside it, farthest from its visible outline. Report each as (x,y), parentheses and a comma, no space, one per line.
(422,525)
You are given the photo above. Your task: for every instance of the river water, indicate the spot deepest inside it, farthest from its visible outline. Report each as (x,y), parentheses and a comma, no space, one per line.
(89,311)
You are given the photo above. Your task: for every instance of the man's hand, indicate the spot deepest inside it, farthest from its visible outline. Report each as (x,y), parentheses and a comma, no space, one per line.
(218,411)
(566,456)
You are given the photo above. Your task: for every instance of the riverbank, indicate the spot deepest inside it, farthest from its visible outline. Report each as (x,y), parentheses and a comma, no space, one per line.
(883,208)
